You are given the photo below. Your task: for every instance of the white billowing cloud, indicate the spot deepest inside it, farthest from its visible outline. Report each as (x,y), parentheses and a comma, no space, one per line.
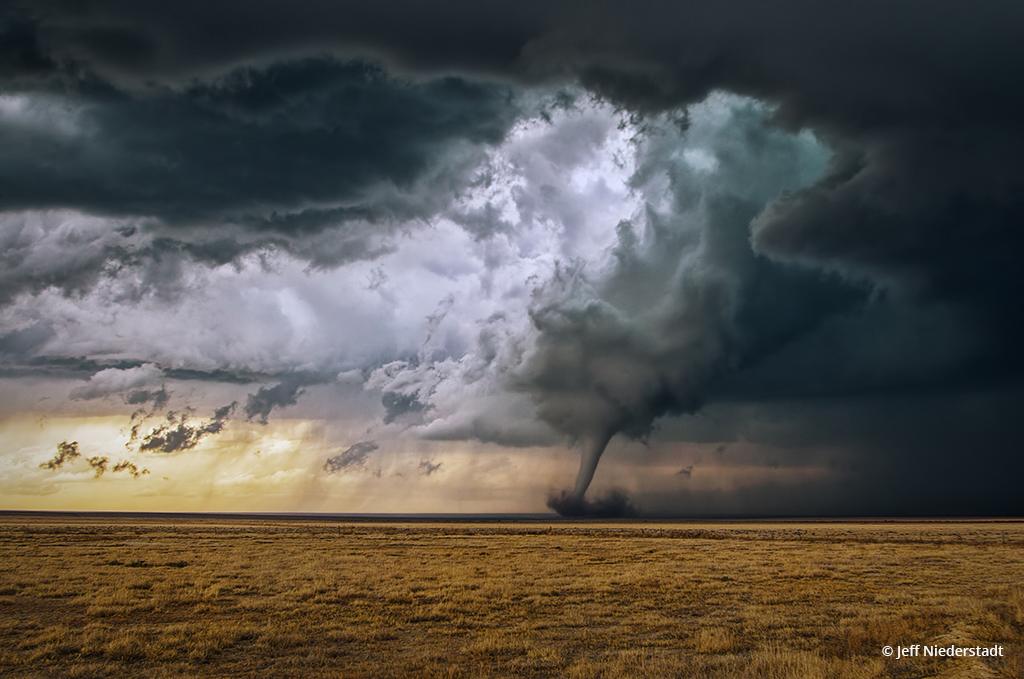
(350,377)
(558,187)
(57,249)
(555,192)
(117,381)
(630,312)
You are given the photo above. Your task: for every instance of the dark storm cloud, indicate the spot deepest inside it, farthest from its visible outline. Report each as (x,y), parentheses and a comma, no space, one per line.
(894,274)
(218,375)
(19,361)
(397,404)
(293,147)
(178,432)
(286,393)
(919,100)
(25,341)
(352,457)
(20,52)
(686,303)
(159,398)
(945,452)
(864,63)
(129,41)
(321,159)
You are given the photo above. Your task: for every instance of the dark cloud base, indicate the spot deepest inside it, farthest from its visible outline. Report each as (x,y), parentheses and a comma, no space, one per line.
(293,147)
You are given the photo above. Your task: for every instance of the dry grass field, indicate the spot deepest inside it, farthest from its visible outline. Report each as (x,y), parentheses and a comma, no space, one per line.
(152,597)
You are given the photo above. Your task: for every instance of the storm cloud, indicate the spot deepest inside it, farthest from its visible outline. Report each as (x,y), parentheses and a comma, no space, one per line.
(289,148)
(354,456)
(266,399)
(178,432)
(532,223)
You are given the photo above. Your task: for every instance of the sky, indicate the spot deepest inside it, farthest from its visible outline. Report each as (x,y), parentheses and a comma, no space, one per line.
(650,258)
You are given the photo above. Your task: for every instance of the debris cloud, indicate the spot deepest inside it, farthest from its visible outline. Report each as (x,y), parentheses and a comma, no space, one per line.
(614,504)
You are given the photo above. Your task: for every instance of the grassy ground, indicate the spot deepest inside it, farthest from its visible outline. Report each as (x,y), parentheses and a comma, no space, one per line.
(112,598)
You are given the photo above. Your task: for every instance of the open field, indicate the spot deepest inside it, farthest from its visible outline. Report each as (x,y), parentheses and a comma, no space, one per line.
(152,597)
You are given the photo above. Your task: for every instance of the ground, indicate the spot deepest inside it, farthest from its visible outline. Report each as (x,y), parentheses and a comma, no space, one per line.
(151,596)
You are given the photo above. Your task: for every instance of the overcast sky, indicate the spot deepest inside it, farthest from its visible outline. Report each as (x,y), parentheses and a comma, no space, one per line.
(738,258)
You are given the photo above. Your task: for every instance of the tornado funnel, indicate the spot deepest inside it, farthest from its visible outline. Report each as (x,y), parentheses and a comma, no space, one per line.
(593,447)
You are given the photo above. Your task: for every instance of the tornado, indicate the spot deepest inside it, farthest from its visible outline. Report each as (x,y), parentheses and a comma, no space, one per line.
(612,504)
(593,447)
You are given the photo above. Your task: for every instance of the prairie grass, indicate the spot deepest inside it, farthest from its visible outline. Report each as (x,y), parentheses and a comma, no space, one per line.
(151,597)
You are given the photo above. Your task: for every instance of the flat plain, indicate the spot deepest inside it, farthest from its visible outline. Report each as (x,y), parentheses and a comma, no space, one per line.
(152,596)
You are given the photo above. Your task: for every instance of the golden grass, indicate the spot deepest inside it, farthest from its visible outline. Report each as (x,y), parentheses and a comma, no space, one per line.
(94,597)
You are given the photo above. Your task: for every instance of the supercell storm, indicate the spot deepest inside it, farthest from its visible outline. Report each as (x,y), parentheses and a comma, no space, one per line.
(787,233)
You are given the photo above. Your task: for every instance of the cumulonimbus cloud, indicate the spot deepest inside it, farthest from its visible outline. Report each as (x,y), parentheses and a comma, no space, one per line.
(847,225)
